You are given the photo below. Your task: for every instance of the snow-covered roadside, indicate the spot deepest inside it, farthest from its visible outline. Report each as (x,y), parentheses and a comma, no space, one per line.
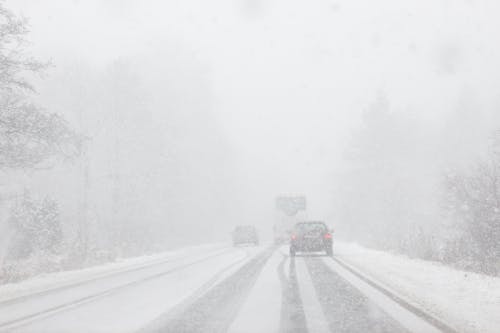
(65,278)
(468,301)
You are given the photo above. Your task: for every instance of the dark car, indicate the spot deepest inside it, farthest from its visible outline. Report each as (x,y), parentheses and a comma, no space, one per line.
(311,236)
(245,234)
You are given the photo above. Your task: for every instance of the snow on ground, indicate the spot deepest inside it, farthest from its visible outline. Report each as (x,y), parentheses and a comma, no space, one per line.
(468,301)
(137,305)
(49,281)
(266,294)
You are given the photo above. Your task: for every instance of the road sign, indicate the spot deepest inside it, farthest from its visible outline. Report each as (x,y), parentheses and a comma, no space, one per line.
(291,205)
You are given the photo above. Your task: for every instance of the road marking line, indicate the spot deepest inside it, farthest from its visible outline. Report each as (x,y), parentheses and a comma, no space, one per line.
(315,317)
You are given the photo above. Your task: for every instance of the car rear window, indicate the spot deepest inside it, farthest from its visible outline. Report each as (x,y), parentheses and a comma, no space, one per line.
(312,226)
(246,229)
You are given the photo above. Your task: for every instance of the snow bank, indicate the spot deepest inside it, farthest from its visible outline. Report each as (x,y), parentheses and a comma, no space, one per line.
(468,301)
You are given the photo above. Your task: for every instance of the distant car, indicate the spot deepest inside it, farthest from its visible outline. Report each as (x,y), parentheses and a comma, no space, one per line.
(311,236)
(245,234)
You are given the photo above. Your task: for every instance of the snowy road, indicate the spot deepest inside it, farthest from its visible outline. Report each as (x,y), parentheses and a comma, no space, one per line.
(225,289)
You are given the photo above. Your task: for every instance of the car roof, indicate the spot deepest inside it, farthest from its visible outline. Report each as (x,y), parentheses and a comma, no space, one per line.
(315,224)
(311,222)
(244,227)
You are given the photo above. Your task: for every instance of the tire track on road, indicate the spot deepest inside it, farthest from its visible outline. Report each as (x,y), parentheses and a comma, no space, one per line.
(216,309)
(436,322)
(345,307)
(293,318)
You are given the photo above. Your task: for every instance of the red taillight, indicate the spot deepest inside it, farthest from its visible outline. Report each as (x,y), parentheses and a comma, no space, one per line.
(328,236)
(294,237)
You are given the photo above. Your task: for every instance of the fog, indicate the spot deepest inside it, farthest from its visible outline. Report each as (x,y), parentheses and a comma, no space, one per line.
(197,114)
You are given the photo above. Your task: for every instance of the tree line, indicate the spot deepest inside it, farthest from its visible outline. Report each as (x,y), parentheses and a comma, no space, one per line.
(426,189)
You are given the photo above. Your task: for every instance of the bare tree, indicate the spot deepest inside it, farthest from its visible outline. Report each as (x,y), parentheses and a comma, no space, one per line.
(28,134)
